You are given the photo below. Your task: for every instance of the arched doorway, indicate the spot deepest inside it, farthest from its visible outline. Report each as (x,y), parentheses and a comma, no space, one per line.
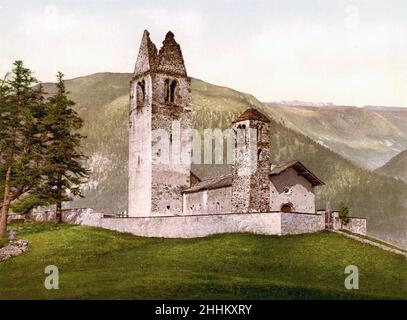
(287,207)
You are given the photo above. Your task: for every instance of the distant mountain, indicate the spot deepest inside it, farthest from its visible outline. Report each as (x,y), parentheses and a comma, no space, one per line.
(396,115)
(102,101)
(369,136)
(396,167)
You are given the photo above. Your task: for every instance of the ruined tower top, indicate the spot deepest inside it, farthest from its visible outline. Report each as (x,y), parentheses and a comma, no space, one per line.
(168,60)
(147,56)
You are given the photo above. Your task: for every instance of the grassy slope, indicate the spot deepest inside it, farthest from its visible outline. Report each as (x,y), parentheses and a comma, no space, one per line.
(96,263)
(396,167)
(360,134)
(102,100)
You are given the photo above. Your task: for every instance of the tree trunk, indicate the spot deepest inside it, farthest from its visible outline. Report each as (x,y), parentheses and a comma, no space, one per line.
(58,212)
(6,203)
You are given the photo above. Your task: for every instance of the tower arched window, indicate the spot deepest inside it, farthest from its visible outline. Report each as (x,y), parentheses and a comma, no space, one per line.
(170,88)
(259,154)
(167,90)
(173,87)
(259,132)
(141,94)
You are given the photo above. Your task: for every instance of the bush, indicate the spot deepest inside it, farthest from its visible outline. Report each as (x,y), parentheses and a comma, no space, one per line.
(344,215)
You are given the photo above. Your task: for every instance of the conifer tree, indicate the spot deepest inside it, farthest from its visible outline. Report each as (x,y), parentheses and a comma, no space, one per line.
(64,161)
(22,109)
(344,215)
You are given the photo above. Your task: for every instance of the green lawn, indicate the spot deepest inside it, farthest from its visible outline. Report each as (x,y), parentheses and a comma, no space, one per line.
(96,263)
(3,242)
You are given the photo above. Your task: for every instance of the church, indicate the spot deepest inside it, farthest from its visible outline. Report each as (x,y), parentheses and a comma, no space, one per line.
(182,198)
(160,95)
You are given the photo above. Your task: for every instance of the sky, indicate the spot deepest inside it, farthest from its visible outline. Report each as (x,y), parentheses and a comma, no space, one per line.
(349,52)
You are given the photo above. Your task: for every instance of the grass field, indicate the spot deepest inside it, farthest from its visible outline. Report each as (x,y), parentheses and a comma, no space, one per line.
(96,263)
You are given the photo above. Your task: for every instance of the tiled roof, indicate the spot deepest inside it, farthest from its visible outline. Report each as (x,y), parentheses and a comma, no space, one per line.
(212,183)
(300,168)
(252,114)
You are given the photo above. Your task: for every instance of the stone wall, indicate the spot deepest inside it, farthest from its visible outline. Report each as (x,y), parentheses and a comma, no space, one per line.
(208,201)
(297,223)
(290,188)
(356,225)
(191,226)
(71,216)
(14,217)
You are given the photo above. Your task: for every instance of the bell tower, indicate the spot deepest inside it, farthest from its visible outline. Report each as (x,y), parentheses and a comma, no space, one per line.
(159,123)
(251,162)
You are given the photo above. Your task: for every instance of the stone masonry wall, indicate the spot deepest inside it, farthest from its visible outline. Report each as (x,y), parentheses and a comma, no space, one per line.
(208,201)
(139,203)
(172,168)
(194,226)
(70,216)
(174,226)
(297,223)
(191,226)
(356,225)
(251,167)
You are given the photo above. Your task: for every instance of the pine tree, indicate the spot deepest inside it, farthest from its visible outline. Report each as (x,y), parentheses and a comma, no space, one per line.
(344,215)
(64,161)
(22,109)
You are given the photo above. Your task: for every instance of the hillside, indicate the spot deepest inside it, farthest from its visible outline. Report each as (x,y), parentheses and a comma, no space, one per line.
(396,167)
(101,264)
(396,115)
(369,136)
(102,100)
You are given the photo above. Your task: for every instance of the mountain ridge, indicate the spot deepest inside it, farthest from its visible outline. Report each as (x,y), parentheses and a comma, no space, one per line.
(396,167)
(367,137)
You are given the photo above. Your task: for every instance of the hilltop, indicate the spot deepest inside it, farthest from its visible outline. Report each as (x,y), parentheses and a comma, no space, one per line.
(102,101)
(396,167)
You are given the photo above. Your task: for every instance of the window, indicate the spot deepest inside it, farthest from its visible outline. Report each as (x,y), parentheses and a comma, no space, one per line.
(243,127)
(259,132)
(258,154)
(169,90)
(141,93)
(173,86)
(287,207)
(217,206)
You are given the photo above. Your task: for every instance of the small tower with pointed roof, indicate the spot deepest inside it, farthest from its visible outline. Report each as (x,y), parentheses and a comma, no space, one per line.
(251,162)
(160,99)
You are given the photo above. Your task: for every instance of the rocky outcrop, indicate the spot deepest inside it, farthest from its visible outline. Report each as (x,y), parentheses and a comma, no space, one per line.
(15,248)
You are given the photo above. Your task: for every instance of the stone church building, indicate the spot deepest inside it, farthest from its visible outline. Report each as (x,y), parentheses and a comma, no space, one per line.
(177,199)
(160,93)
